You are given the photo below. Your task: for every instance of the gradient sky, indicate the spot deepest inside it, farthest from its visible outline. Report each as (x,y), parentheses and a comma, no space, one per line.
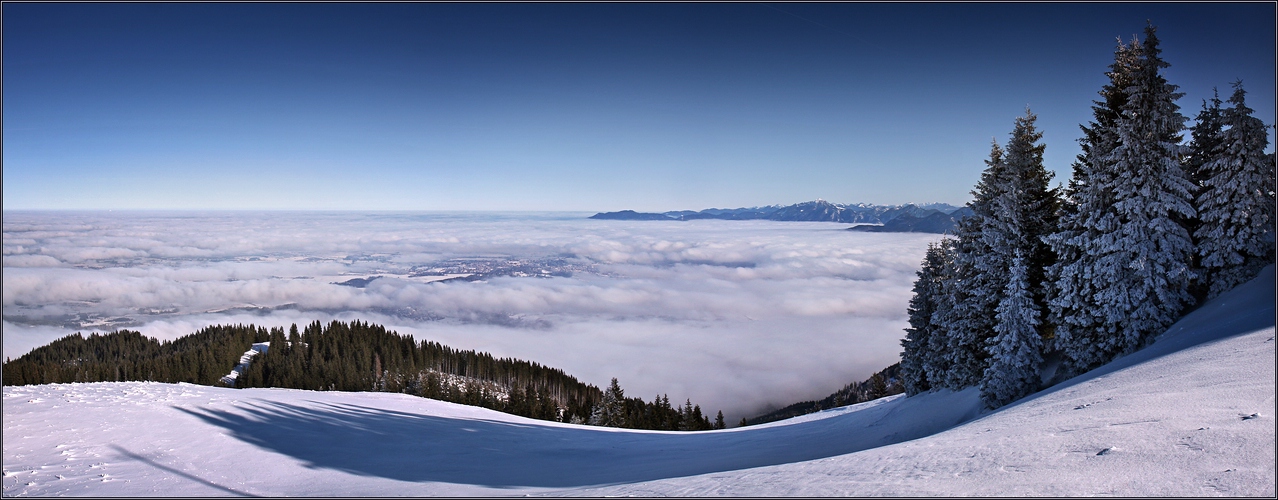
(567,106)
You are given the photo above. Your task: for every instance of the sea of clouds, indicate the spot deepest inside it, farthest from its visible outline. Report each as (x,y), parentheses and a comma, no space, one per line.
(740,316)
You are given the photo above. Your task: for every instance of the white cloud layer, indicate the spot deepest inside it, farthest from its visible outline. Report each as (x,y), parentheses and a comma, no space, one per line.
(737,315)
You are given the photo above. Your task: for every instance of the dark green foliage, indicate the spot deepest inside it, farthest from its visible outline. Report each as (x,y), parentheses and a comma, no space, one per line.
(199,358)
(356,356)
(359,356)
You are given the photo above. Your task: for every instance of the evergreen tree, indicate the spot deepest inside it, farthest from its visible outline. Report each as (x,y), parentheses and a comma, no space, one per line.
(718,421)
(969,295)
(1087,209)
(878,387)
(1024,210)
(1236,203)
(917,353)
(610,412)
(1204,145)
(1206,137)
(1128,256)
(1016,350)
(686,421)
(935,364)
(1145,268)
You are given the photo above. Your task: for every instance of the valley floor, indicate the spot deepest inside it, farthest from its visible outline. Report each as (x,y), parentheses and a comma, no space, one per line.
(1191,415)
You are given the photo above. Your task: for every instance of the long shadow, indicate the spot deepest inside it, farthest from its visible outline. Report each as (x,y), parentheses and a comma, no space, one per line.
(417,447)
(420,448)
(172,470)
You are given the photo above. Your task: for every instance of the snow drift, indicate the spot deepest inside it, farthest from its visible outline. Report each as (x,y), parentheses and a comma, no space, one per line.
(1190,415)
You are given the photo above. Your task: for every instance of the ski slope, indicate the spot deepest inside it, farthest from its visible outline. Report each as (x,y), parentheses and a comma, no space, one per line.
(1191,415)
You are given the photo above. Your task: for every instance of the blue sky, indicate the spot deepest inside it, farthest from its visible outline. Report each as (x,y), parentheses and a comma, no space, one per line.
(567,106)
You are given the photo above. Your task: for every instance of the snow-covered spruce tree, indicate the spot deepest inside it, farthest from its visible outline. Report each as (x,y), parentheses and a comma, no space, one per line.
(611,410)
(1016,349)
(1236,205)
(934,363)
(1204,145)
(1136,253)
(1149,256)
(1086,211)
(969,295)
(1024,211)
(1205,137)
(916,345)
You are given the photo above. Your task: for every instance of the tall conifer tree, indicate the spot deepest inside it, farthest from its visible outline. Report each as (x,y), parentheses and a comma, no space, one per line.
(1236,203)
(969,297)
(1016,349)
(1128,253)
(917,352)
(611,410)
(1023,212)
(1204,144)
(1088,208)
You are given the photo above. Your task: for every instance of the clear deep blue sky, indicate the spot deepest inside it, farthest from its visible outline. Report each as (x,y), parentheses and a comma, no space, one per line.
(567,106)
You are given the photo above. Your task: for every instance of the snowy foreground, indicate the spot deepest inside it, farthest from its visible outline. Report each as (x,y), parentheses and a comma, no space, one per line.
(1191,415)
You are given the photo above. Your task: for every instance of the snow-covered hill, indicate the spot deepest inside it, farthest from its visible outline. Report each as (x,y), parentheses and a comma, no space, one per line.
(1191,415)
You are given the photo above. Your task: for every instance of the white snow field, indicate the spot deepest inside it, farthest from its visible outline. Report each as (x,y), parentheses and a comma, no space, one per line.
(1191,415)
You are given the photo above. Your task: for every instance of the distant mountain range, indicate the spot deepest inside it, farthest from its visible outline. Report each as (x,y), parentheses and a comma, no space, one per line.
(926,218)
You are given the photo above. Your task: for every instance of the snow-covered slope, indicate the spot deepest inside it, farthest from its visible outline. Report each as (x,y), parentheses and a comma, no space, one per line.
(1191,415)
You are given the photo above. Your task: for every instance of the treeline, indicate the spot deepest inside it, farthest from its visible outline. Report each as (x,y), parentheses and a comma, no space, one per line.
(199,358)
(359,356)
(883,383)
(1146,228)
(355,356)
(616,410)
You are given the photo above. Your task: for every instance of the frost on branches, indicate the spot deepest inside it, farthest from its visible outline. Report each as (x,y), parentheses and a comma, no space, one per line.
(1236,201)
(1097,274)
(918,354)
(611,411)
(1017,349)
(1125,255)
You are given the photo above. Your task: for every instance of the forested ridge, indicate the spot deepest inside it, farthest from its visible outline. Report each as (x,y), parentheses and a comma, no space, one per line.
(355,356)
(200,358)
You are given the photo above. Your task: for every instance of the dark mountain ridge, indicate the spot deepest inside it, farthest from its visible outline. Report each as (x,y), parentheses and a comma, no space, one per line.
(930,217)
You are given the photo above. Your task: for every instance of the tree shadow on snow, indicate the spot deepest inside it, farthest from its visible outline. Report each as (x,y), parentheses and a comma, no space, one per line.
(417,447)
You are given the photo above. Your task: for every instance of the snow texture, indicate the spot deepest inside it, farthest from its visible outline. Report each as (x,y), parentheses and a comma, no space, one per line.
(1191,415)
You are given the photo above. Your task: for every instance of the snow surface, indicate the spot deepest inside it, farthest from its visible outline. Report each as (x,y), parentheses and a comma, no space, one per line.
(1192,415)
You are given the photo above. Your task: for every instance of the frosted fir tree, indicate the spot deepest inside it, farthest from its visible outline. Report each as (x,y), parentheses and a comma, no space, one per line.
(934,363)
(1016,349)
(1087,211)
(1236,204)
(1126,255)
(969,295)
(1205,139)
(611,410)
(1204,144)
(1024,210)
(917,353)
(1146,264)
